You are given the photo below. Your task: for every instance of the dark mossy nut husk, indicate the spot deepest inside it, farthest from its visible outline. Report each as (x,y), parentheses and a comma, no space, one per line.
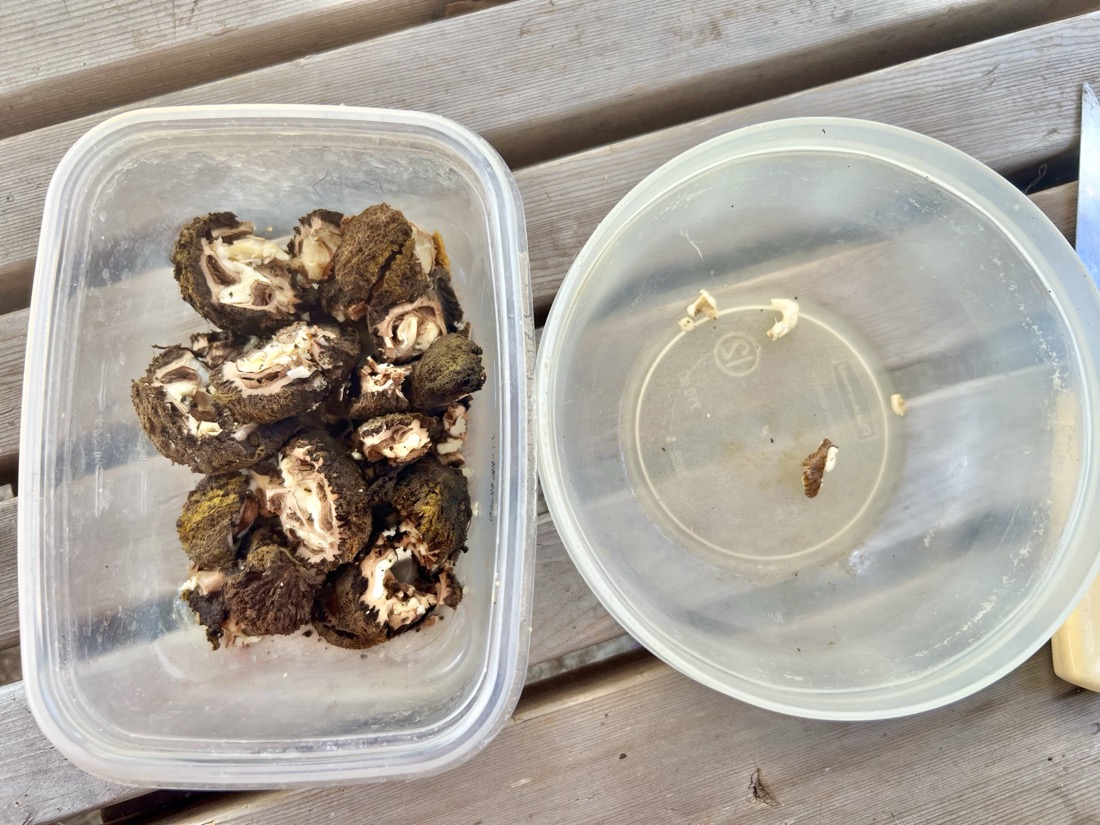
(434,498)
(316,239)
(233,278)
(320,498)
(397,438)
(339,616)
(404,331)
(217,513)
(379,389)
(287,373)
(383,260)
(273,592)
(189,426)
(450,369)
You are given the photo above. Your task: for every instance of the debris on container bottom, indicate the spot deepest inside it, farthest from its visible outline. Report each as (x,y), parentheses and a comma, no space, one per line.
(897,404)
(815,465)
(788,309)
(703,305)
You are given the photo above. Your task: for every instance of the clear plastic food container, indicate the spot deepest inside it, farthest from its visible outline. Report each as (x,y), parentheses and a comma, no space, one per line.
(118,674)
(948,542)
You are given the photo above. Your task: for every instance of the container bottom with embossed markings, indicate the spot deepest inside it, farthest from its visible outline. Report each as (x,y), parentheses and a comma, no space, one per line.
(723,419)
(953,532)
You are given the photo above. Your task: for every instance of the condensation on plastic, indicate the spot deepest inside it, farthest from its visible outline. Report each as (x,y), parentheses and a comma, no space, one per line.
(118,675)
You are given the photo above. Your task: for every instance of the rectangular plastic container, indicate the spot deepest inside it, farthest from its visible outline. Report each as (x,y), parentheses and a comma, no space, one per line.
(118,675)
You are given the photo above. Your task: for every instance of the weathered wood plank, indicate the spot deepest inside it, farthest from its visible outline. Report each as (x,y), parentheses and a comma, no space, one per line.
(9,585)
(37,784)
(1008,102)
(13,335)
(61,59)
(1060,205)
(645,744)
(522,74)
(566,616)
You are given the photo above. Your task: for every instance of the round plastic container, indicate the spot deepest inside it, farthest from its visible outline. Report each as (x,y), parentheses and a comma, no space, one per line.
(118,674)
(947,543)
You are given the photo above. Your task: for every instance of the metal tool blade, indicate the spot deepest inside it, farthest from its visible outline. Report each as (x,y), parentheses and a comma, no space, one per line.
(1088,187)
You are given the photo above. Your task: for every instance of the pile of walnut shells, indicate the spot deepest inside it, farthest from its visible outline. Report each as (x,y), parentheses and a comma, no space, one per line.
(327,414)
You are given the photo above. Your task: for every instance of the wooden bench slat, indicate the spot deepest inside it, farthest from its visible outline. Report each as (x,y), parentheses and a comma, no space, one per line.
(524,75)
(61,59)
(9,583)
(37,784)
(13,340)
(645,744)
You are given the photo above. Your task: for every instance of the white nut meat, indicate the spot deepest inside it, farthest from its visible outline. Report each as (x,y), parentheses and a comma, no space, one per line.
(788,309)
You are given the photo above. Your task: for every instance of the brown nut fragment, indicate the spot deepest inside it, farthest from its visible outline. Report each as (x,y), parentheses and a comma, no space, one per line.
(338,615)
(218,512)
(273,593)
(203,594)
(316,238)
(381,391)
(448,447)
(815,465)
(449,370)
(434,500)
(383,259)
(287,373)
(320,498)
(189,426)
(396,593)
(233,278)
(397,438)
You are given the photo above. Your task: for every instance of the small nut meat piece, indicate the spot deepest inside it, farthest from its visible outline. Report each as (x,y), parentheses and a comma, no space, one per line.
(434,500)
(449,445)
(381,390)
(815,465)
(320,498)
(189,426)
(397,438)
(898,405)
(203,594)
(273,592)
(233,278)
(287,373)
(788,310)
(449,370)
(316,238)
(218,512)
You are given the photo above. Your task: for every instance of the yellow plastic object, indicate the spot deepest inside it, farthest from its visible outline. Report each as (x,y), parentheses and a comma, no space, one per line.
(1075,648)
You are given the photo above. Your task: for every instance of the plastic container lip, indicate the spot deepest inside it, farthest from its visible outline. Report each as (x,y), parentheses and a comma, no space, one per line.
(1036,239)
(497,692)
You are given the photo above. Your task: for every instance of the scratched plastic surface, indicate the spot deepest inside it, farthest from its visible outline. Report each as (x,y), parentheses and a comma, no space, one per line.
(945,545)
(119,675)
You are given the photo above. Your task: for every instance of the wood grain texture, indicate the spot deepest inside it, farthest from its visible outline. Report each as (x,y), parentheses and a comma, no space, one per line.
(524,75)
(37,784)
(646,744)
(566,616)
(13,332)
(1060,205)
(62,59)
(9,582)
(1008,102)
